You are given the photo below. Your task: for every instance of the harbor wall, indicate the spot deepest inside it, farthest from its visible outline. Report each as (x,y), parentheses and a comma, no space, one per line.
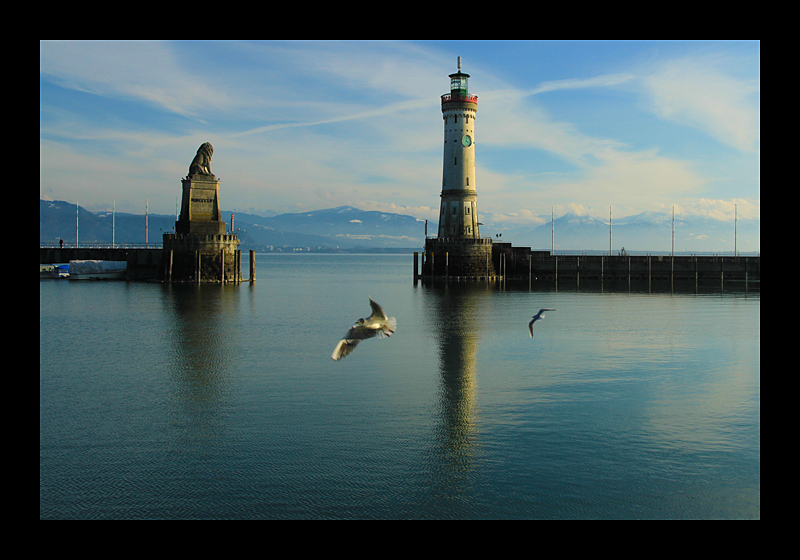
(656,272)
(701,271)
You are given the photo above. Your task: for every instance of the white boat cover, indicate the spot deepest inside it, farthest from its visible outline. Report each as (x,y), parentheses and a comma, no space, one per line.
(99,268)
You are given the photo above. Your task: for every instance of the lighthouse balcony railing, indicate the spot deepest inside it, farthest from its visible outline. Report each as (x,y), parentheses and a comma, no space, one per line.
(447,97)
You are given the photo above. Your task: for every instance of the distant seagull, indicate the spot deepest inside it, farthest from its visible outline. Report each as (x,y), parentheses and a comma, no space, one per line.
(536,317)
(377,324)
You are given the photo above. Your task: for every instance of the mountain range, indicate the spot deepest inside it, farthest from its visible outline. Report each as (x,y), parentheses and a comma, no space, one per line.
(343,228)
(346,228)
(642,233)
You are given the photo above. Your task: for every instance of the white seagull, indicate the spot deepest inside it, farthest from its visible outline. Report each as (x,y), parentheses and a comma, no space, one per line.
(536,317)
(377,324)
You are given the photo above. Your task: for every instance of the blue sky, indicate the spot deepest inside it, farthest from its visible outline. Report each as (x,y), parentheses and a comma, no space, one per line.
(305,125)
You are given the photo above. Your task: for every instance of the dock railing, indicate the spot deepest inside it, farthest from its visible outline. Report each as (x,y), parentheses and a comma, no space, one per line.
(153,245)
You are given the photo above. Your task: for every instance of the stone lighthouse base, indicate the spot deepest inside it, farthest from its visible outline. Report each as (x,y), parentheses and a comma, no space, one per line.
(455,257)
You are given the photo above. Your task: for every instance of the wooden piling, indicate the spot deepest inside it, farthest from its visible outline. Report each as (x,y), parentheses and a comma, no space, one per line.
(416,266)
(556,263)
(602,270)
(629,273)
(529,271)
(169,269)
(672,268)
(252,267)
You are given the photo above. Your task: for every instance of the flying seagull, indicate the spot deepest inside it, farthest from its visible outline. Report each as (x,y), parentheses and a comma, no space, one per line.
(536,317)
(377,324)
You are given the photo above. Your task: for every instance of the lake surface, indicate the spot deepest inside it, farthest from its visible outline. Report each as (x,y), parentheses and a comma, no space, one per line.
(222,402)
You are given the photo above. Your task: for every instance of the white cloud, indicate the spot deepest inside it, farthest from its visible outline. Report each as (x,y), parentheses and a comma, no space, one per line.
(515,118)
(636,177)
(694,91)
(142,70)
(718,209)
(607,80)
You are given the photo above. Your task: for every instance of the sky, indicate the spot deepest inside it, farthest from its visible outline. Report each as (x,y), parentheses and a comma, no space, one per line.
(561,126)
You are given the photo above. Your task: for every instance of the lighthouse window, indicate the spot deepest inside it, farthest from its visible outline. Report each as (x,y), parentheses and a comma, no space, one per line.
(456,161)
(467,181)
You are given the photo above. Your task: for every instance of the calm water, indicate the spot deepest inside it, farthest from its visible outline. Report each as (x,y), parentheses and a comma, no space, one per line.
(160,401)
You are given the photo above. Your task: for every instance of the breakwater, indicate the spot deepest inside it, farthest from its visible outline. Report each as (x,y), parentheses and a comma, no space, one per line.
(640,272)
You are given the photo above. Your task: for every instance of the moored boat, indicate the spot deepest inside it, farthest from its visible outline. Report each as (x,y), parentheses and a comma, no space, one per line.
(53,271)
(97,270)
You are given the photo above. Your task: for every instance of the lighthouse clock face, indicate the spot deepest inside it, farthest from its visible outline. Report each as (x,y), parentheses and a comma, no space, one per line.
(466,140)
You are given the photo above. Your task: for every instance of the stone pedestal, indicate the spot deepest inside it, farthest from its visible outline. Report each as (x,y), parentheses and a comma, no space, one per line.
(200,209)
(200,250)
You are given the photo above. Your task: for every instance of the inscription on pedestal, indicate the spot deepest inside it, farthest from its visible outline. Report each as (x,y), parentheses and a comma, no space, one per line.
(203,199)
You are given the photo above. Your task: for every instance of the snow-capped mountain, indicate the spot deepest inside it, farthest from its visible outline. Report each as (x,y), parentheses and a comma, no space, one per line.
(645,232)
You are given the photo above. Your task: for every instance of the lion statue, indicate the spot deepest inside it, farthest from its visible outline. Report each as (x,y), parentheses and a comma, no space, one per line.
(201,164)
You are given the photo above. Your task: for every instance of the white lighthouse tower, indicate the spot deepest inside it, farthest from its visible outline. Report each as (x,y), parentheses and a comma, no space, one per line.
(458,212)
(459,250)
